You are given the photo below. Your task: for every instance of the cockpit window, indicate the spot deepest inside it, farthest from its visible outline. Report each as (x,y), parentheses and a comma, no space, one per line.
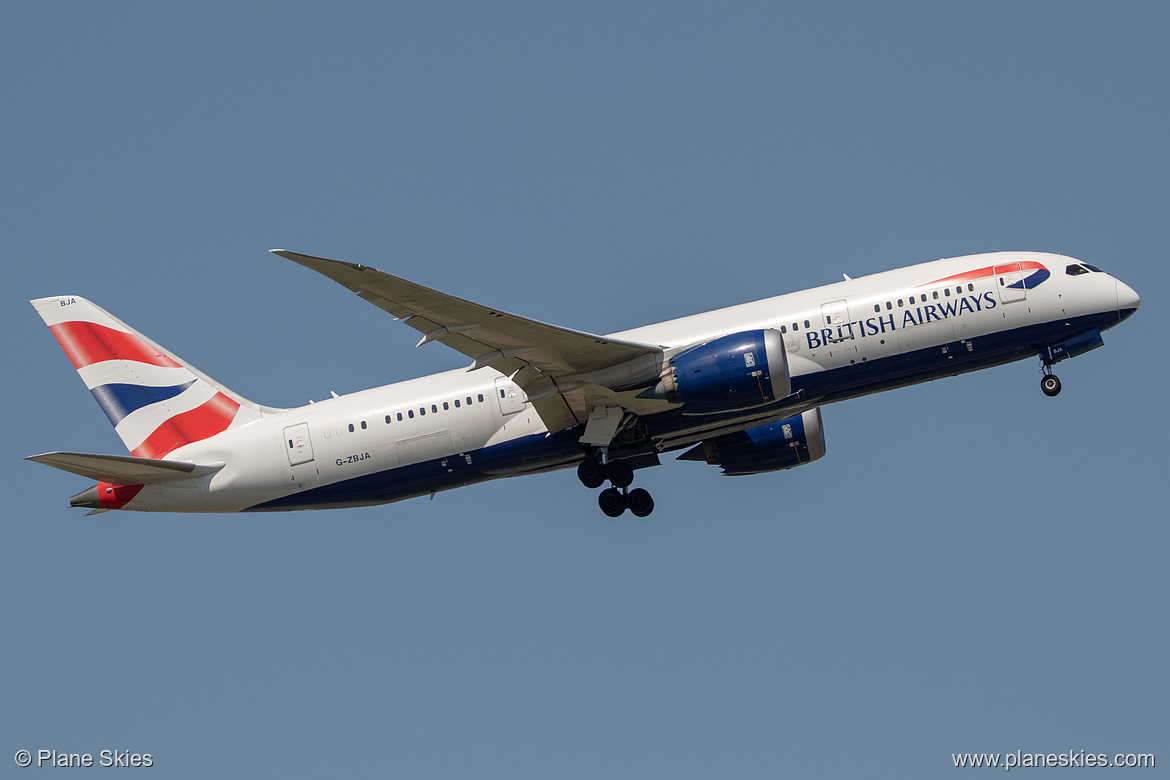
(1093,268)
(1076,270)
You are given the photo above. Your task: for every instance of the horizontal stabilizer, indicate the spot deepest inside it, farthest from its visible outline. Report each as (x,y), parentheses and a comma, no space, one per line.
(123,469)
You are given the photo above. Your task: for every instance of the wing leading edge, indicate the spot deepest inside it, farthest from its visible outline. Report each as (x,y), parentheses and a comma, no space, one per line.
(564,372)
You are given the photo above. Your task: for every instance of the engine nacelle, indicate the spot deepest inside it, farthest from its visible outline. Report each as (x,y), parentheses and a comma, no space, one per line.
(793,441)
(739,371)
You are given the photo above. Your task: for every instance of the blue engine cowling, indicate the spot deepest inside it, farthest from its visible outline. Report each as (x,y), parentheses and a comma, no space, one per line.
(739,371)
(793,441)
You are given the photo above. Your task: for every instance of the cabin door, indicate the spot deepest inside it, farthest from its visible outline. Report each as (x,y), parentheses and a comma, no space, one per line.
(1009,280)
(510,396)
(835,318)
(297,444)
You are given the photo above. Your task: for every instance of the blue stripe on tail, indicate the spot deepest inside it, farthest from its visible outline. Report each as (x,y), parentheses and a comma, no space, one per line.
(119,401)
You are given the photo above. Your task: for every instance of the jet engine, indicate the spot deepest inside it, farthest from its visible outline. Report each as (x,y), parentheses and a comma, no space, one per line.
(793,441)
(735,372)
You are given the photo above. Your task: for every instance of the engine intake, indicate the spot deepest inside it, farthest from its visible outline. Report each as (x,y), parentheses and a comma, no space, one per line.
(739,371)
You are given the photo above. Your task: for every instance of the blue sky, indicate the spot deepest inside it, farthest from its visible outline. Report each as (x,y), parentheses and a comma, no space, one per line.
(972,568)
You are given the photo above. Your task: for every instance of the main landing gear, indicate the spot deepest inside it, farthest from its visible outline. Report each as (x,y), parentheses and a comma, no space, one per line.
(616,499)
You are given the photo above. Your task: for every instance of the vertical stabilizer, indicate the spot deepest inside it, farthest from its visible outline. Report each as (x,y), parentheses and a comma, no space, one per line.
(155,401)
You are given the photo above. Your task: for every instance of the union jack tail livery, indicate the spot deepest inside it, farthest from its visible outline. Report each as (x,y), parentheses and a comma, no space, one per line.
(155,401)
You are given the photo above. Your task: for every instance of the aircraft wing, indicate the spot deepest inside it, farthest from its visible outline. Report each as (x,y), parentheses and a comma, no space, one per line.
(543,359)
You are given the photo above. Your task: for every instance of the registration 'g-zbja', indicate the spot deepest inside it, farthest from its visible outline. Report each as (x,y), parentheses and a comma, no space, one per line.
(740,388)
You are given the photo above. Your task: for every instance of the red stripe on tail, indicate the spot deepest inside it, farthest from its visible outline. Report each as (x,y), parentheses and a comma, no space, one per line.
(87,343)
(200,423)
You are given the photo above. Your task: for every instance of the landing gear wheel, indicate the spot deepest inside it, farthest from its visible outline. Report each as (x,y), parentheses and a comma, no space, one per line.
(591,473)
(640,502)
(1050,385)
(612,502)
(619,473)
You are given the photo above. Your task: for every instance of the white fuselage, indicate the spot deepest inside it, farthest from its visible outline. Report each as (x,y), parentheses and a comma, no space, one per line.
(842,340)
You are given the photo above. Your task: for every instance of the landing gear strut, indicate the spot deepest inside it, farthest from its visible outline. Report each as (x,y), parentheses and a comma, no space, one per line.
(616,499)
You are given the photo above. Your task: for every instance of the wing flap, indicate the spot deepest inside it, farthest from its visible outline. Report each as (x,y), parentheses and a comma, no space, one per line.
(123,469)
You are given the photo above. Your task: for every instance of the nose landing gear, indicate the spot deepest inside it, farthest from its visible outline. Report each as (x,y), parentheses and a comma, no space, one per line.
(1050,384)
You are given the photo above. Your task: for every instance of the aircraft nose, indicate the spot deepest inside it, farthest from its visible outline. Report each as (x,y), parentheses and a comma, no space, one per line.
(1128,301)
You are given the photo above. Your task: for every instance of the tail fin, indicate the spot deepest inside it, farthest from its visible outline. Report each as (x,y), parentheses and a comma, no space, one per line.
(155,401)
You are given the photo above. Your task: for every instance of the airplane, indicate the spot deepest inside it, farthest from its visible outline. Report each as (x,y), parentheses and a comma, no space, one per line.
(740,388)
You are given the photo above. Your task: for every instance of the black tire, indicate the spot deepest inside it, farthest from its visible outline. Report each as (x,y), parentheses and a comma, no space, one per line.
(612,502)
(591,473)
(1050,385)
(640,502)
(620,473)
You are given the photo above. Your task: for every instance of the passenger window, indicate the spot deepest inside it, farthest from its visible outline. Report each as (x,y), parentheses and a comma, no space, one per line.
(351,427)
(783,328)
(877,308)
(400,416)
(936,295)
(970,288)
(911,300)
(480,397)
(889,305)
(422,411)
(900,304)
(469,400)
(410,413)
(806,324)
(947,292)
(363,425)
(456,403)
(387,419)
(435,408)
(795,327)
(445,406)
